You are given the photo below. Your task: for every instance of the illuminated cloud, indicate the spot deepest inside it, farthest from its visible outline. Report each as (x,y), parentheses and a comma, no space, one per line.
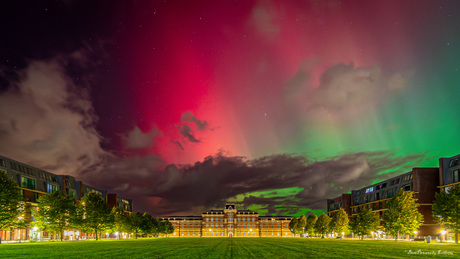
(263,19)
(344,93)
(47,122)
(138,139)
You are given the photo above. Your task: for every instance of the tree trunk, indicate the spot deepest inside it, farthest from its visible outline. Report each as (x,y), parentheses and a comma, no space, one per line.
(456,236)
(61,234)
(96,235)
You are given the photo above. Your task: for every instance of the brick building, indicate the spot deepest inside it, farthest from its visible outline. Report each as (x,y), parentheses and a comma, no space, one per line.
(230,222)
(422,181)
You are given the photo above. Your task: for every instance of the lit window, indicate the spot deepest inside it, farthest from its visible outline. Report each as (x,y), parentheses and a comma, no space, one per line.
(27,183)
(52,188)
(455,176)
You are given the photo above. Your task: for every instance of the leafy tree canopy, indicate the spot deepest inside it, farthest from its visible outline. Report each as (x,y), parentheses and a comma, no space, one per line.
(402,215)
(446,209)
(322,224)
(9,200)
(310,226)
(364,223)
(339,222)
(94,214)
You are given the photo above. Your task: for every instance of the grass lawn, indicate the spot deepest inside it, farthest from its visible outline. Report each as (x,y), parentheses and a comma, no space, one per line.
(230,248)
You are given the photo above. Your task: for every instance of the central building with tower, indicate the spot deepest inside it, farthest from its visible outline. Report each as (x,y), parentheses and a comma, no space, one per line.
(230,222)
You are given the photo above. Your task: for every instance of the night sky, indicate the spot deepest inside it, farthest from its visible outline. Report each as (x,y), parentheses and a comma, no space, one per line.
(273,105)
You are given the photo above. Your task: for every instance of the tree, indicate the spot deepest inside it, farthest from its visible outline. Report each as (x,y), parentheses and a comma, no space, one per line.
(446,209)
(322,224)
(9,201)
(165,227)
(310,226)
(301,224)
(55,211)
(121,219)
(94,214)
(148,224)
(402,215)
(339,222)
(136,221)
(293,225)
(24,218)
(365,222)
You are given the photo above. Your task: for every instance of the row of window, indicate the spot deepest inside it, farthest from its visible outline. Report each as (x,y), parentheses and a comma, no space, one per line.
(335,206)
(244,219)
(383,185)
(47,176)
(29,171)
(216,219)
(268,226)
(217,226)
(22,168)
(230,219)
(407,178)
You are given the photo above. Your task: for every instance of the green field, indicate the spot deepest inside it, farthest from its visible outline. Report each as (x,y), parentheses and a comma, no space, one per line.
(230,248)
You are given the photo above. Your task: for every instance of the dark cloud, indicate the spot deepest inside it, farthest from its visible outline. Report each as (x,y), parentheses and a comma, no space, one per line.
(189,117)
(189,189)
(185,128)
(178,144)
(187,132)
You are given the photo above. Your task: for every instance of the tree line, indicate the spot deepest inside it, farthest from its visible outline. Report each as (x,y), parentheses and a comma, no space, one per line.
(401,217)
(57,213)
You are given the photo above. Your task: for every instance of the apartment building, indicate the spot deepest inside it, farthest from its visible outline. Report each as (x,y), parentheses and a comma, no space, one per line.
(34,182)
(448,172)
(422,181)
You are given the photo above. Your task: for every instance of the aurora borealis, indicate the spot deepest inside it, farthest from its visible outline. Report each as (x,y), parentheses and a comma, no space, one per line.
(275,105)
